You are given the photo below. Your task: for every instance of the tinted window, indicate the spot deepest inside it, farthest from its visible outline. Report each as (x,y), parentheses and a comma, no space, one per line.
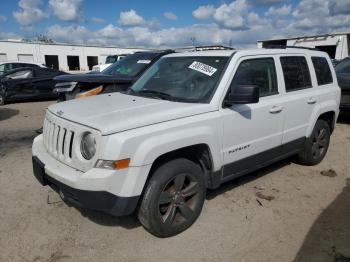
(45,72)
(296,73)
(257,72)
(343,66)
(323,72)
(8,67)
(22,74)
(131,65)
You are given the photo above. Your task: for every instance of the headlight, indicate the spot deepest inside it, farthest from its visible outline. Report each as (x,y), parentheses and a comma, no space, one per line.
(92,92)
(88,146)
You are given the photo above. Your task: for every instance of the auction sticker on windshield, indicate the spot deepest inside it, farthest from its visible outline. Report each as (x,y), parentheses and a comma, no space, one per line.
(203,68)
(144,61)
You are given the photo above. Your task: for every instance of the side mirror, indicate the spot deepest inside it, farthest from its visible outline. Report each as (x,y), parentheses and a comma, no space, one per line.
(242,94)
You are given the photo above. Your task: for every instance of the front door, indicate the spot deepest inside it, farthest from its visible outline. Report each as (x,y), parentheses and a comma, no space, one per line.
(253,132)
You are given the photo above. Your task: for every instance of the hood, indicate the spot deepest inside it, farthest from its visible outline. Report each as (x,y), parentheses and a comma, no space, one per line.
(116,112)
(95,78)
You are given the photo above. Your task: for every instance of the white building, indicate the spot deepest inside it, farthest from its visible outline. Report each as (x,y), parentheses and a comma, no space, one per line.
(337,45)
(66,57)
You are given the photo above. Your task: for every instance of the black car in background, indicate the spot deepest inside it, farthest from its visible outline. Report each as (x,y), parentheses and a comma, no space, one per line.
(117,77)
(28,83)
(343,74)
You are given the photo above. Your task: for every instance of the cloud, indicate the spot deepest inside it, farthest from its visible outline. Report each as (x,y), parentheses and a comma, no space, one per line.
(170,15)
(339,7)
(203,12)
(98,20)
(67,10)
(236,22)
(9,35)
(29,12)
(131,18)
(266,2)
(230,16)
(280,11)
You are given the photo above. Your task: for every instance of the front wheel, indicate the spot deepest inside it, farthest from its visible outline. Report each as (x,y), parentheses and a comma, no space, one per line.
(173,199)
(316,145)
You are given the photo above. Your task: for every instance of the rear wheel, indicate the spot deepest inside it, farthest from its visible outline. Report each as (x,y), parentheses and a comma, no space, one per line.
(316,145)
(173,199)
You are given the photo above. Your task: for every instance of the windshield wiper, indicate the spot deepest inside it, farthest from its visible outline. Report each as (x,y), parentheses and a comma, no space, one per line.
(158,94)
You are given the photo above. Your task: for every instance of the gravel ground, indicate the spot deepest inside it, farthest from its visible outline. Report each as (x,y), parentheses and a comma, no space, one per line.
(286,212)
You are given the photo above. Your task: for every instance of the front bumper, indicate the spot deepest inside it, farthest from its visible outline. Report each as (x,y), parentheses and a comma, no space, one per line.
(95,200)
(113,192)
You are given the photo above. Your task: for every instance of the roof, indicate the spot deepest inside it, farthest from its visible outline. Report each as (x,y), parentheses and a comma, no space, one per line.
(306,36)
(204,53)
(257,51)
(21,62)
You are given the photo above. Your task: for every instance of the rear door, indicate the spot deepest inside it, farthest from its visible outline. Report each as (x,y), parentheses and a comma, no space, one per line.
(253,132)
(299,99)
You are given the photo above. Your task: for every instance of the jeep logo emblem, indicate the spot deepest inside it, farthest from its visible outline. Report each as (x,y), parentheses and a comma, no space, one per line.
(60,112)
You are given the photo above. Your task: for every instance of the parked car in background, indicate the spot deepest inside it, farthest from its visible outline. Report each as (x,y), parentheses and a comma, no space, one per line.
(191,122)
(335,62)
(343,75)
(28,83)
(118,77)
(111,59)
(8,66)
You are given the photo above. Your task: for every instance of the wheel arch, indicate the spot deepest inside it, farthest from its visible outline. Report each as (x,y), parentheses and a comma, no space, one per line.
(327,112)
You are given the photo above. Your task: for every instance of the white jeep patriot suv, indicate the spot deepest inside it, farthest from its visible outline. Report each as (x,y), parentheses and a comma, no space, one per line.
(192,121)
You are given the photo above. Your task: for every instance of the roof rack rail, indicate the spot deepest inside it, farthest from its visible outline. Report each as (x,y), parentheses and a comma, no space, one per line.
(290,46)
(204,48)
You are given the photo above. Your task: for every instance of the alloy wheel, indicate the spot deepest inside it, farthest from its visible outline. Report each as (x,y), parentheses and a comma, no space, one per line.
(319,143)
(179,199)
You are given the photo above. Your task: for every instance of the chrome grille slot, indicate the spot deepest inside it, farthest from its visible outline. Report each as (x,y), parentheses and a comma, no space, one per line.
(61,139)
(71,144)
(58,140)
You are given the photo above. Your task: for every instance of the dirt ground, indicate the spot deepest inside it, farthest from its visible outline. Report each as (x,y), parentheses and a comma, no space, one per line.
(286,212)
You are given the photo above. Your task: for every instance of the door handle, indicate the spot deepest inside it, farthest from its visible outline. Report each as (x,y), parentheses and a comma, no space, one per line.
(276,109)
(311,101)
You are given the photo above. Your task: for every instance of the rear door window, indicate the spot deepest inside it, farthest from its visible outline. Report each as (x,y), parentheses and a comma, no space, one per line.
(323,72)
(296,73)
(259,72)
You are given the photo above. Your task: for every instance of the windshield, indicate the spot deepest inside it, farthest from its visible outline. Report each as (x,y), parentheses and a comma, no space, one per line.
(343,66)
(131,65)
(191,79)
(111,59)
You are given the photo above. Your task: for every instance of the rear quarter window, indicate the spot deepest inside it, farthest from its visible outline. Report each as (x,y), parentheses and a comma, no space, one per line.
(322,70)
(296,73)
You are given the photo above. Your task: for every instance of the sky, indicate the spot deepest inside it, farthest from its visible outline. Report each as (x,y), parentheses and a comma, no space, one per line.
(171,23)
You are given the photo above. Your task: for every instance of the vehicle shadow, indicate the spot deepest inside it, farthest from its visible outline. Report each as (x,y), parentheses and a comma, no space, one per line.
(6,113)
(344,118)
(103,219)
(247,178)
(329,236)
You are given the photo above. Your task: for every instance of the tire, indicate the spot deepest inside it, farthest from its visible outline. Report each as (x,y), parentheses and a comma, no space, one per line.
(316,145)
(173,199)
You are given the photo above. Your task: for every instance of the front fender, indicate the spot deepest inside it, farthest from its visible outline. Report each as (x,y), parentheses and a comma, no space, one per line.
(168,142)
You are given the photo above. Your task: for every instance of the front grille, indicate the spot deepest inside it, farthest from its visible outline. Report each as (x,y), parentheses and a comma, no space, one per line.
(58,140)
